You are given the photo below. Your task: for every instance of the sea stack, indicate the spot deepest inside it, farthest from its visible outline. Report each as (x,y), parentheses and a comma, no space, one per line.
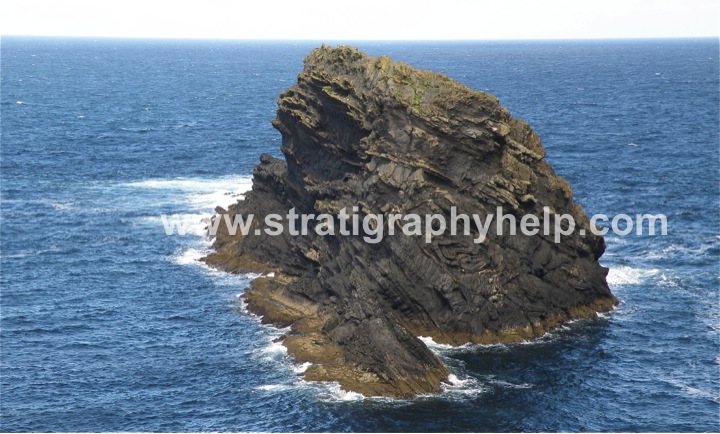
(368,132)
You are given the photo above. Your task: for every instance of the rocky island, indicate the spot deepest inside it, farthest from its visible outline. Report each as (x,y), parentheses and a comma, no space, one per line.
(367,132)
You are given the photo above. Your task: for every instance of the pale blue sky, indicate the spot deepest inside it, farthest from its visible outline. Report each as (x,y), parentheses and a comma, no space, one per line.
(368,19)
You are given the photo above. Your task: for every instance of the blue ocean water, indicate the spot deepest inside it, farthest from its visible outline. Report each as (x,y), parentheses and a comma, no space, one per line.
(106,323)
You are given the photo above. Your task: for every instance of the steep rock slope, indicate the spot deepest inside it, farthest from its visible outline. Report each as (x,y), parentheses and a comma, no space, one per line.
(369,132)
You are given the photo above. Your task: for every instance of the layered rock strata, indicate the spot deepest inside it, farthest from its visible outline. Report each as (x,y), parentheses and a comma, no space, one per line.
(385,137)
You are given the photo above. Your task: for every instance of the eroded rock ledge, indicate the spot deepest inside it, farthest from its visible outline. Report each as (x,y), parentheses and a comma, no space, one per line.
(367,131)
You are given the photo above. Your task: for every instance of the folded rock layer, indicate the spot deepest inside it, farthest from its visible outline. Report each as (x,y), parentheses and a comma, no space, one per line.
(385,137)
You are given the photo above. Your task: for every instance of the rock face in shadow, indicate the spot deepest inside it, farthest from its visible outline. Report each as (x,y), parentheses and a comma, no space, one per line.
(369,132)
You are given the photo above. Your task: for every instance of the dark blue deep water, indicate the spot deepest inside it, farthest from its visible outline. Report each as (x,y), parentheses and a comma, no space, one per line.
(108,324)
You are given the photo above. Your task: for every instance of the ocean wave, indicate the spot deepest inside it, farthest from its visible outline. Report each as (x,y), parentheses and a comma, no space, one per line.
(192,194)
(706,250)
(239,184)
(670,280)
(190,256)
(299,369)
(624,275)
(270,347)
(62,206)
(332,392)
(193,202)
(274,350)
(221,198)
(506,384)
(693,391)
(436,347)
(461,388)
(273,387)
(27,253)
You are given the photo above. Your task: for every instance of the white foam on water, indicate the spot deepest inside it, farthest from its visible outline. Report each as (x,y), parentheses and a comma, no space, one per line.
(199,196)
(668,279)
(196,199)
(174,184)
(273,351)
(461,388)
(196,194)
(331,391)
(221,198)
(194,224)
(343,395)
(547,337)
(276,354)
(237,184)
(153,220)
(334,392)
(675,250)
(693,391)
(299,369)
(443,350)
(269,387)
(624,275)
(455,381)
(225,279)
(436,347)
(508,385)
(243,304)
(324,391)
(62,206)
(275,348)
(28,253)
(682,251)
(190,257)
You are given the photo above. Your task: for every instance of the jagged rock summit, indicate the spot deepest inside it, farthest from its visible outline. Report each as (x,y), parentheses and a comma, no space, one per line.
(385,137)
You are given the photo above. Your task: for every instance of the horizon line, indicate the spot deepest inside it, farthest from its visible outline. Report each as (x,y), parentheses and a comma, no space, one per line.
(195,38)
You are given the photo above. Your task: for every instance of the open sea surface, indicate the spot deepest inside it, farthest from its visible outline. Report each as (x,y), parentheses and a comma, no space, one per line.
(106,323)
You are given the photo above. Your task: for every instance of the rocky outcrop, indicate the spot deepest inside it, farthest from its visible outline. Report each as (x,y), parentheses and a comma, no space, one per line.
(369,132)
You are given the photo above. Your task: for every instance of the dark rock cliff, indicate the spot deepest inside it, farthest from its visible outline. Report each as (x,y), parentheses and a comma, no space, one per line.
(369,132)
